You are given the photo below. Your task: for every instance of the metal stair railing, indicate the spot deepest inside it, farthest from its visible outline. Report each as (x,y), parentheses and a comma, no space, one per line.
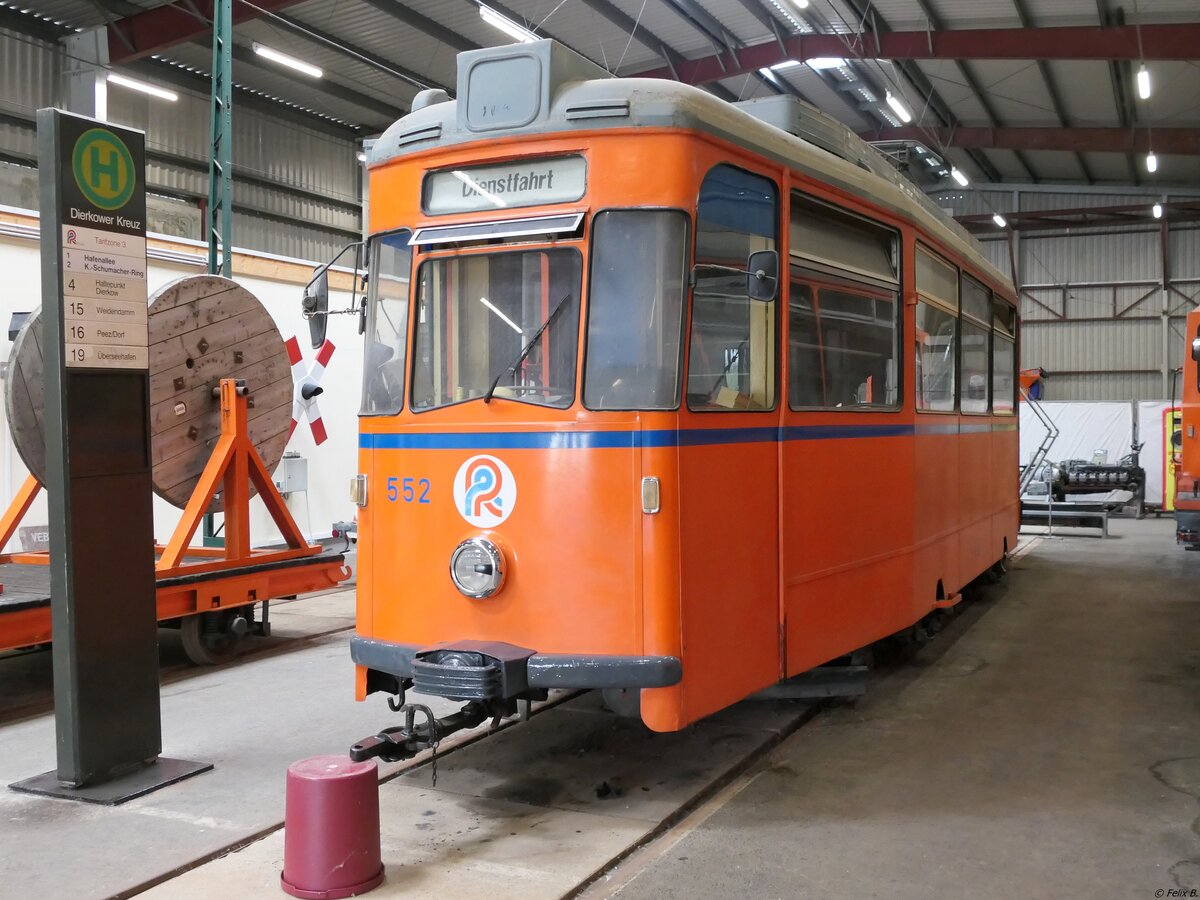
(1039,455)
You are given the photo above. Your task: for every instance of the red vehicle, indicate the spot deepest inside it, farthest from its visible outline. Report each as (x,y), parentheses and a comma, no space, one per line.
(1187,442)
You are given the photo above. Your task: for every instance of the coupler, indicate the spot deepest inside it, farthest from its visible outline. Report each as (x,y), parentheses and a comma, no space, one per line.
(407,740)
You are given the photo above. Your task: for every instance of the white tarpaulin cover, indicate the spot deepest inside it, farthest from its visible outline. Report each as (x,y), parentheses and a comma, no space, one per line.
(1083,428)
(1152,434)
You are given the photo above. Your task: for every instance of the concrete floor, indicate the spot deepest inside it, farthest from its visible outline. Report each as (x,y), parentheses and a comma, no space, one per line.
(290,697)
(1046,745)
(1052,750)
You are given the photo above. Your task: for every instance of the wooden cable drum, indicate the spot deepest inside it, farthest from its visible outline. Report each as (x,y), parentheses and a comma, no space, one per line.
(202,328)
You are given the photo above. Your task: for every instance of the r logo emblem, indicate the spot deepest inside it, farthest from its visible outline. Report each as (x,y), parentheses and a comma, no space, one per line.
(485,491)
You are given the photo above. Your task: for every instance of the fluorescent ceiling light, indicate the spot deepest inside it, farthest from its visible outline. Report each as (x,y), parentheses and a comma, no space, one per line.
(959,177)
(507,25)
(899,108)
(786,64)
(786,8)
(999,220)
(290,61)
(144,87)
(1143,82)
(1157,210)
(507,321)
(1151,162)
(825,62)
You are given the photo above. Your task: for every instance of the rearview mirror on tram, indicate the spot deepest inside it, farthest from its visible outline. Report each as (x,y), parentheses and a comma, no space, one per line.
(315,306)
(762,275)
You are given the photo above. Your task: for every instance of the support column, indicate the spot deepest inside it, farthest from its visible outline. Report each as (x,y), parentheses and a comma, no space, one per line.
(1164,239)
(84,74)
(218,225)
(220,174)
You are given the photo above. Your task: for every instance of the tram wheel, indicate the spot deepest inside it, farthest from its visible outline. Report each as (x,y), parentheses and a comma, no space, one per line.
(210,639)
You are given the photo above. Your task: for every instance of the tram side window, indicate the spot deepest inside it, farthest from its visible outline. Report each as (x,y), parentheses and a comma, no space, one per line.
(1004,358)
(732,362)
(806,376)
(636,294)
(976,334)
(384,359)
(936,357)
(843,337)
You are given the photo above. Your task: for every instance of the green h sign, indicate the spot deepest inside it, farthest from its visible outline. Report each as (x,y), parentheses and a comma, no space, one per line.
(103,169)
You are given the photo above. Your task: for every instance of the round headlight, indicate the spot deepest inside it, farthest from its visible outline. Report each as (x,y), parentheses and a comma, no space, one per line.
(477,567)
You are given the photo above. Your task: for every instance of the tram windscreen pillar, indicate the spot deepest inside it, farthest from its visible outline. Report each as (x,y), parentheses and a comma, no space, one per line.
(98,462)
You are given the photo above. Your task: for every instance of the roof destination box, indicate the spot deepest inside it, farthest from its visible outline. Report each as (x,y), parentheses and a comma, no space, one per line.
(514,86)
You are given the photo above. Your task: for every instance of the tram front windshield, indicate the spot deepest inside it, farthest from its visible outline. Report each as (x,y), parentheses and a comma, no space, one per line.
(477,312)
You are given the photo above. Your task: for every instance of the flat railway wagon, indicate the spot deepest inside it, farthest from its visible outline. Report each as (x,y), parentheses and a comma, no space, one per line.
(660,398)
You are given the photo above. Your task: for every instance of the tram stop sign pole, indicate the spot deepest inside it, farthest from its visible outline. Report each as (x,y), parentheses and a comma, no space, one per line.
(98,465)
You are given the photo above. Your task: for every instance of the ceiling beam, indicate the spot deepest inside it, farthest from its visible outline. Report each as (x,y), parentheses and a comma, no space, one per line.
(352,51)
(972,82)
(1122,95)
(1175,211)
(717,34)
(386,113)
(646,38)
(155,30)
(1158,42)
(932,102)
(1051,89)
(402,13)
(166,74)
(1177,141)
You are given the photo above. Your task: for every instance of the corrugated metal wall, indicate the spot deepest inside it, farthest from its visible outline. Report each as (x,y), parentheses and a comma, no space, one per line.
(1092,300)
(296,190)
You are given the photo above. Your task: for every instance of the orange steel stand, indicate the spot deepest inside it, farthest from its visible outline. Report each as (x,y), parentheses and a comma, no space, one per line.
(235,465)
(193,580)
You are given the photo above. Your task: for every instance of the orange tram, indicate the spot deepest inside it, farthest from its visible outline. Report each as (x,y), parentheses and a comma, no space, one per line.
(660,398)
(1187,449)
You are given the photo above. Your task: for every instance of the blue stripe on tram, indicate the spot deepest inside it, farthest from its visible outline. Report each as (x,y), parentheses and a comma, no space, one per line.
(663,437)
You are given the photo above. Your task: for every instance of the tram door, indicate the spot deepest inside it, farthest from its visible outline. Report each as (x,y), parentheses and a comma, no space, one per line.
(728,458)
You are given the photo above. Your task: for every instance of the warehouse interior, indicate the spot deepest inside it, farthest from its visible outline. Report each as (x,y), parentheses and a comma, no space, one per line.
(849,551)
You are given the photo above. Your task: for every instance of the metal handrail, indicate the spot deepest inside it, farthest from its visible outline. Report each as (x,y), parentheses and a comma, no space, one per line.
(1039,455)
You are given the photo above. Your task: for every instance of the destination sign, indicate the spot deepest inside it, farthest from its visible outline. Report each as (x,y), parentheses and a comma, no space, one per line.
(99,356)
(91,263)
(106,287)
(85,331)
(111,311)
(529,182)
(102,220)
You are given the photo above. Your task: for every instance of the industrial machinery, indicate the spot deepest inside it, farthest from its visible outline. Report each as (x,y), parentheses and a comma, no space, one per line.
(1186,441)
(628,350)
(220,417)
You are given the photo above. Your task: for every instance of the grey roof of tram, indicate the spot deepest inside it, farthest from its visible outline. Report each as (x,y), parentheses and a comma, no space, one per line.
(573,94)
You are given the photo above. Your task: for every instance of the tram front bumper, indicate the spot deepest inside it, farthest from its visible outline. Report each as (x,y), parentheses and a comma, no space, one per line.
(491,670)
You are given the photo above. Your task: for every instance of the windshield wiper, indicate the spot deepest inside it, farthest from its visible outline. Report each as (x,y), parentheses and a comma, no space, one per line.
(487,398)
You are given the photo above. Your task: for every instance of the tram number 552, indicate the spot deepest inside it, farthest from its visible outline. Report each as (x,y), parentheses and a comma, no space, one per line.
(412,489)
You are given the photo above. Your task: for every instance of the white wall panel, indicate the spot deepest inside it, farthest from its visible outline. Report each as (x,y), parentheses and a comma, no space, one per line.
(330,465)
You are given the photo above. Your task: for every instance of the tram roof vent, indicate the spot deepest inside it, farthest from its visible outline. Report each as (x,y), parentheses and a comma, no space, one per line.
(514,86)
(805,121)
